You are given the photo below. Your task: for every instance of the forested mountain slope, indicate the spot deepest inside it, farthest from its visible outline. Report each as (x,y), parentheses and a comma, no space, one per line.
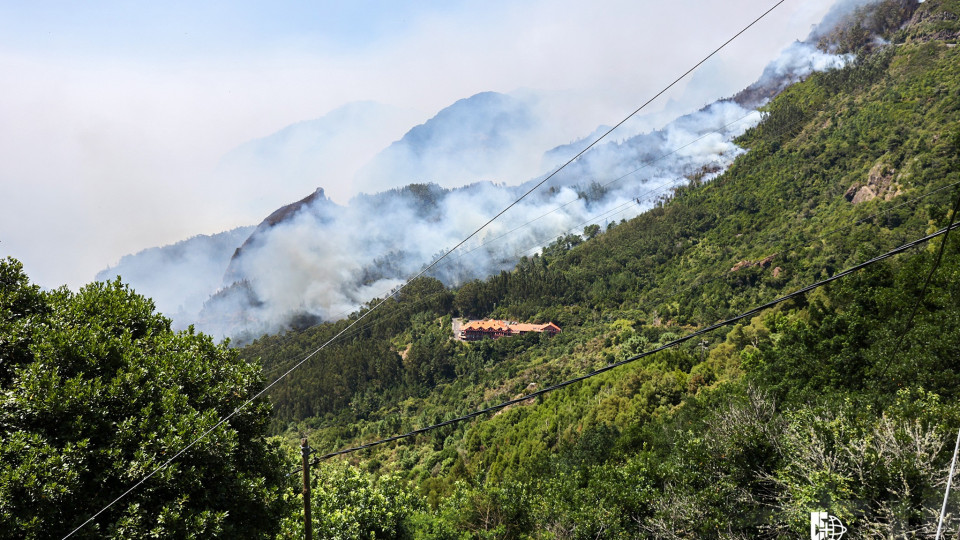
(844,400)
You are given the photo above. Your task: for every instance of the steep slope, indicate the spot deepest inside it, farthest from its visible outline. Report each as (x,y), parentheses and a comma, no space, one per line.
(838,402)
(316,260)
(319,269)
(779,218)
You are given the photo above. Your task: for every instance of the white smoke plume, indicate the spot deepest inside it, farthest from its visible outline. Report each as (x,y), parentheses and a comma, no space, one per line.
(319,260)
(324,260)
(181,276)
(800,59)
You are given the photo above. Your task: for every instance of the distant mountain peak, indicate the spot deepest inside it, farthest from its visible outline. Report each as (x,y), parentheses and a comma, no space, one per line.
(325,151)
(487,136)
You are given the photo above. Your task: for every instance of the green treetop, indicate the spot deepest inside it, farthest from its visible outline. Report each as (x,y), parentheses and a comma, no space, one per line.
(96,392)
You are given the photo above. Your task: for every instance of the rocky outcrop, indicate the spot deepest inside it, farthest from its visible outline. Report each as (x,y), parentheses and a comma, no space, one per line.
(879,183)
(747,263)
(929,23)
(316,201)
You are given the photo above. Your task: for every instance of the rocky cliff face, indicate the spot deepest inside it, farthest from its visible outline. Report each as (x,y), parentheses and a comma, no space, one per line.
(880,182)
(316,202)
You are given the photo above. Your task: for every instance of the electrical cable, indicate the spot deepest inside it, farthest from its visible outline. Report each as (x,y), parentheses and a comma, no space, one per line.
(536,245)
(571,160)
(820,236)
(902,248)
(591,145)
(634,171)
(370,324)
(422,272)
(646,197)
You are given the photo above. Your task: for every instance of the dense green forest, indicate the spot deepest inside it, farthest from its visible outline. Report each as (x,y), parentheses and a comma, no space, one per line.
(843,400)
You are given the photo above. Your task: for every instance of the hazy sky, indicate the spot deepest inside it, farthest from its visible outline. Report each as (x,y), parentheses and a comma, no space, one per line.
(113,115)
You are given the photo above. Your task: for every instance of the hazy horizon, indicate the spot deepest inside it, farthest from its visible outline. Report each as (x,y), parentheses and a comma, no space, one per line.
(115,118)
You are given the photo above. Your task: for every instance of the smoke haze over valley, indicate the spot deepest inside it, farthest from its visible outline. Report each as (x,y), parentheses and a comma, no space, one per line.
(320,260)
(501,269)
(394,185)
(119,124)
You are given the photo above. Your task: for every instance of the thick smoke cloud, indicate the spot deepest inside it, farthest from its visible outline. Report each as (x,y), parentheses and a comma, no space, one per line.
(181,276)
(801,59)
(320,260)
(326,260)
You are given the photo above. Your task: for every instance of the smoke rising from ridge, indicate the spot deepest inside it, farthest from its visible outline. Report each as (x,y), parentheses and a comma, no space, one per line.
(131,108)
(181,276)
(325,260)
(321,259)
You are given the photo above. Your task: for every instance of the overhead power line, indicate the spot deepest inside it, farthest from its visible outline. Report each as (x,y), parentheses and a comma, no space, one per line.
(698,333)
(923,290)
(617,179)
(646,196)
(424,271)
(606,215)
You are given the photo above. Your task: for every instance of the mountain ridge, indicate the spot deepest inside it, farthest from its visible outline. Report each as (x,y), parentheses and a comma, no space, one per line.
(602,183)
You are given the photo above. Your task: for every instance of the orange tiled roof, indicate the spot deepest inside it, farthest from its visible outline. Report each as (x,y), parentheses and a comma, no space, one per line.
(525,327)
(488,324)
(551,326)
(497,324)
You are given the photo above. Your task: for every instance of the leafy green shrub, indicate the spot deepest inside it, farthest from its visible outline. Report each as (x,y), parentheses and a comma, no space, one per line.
(96,392)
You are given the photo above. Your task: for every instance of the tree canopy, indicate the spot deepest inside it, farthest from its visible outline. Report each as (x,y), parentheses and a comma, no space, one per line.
(96,392)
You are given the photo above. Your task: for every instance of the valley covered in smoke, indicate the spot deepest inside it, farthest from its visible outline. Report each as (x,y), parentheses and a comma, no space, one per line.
(180,277)
(319,260)
(323,260)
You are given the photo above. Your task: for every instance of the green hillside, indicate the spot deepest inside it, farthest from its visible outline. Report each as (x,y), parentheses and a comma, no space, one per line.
(839,401)
(843,400)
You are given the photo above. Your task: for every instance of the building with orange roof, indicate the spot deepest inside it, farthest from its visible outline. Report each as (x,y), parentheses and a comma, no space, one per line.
(496,328)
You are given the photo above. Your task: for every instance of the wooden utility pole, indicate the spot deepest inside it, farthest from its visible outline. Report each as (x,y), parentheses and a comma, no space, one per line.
(307,520)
